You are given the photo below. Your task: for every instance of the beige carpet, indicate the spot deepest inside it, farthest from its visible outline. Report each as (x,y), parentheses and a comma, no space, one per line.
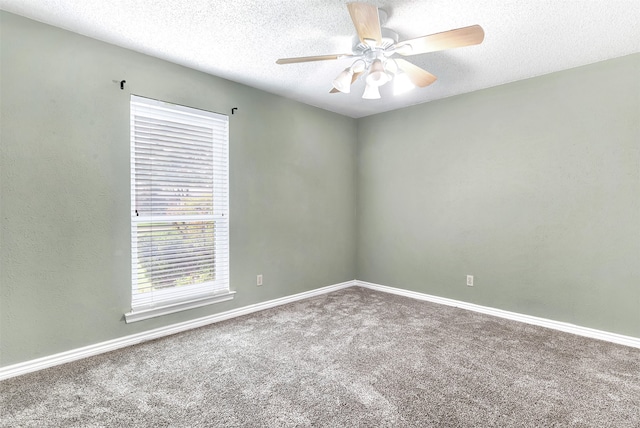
(352,358)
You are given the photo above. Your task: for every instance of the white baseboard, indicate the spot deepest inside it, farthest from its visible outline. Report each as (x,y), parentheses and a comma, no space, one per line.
(111,345)
(542,322)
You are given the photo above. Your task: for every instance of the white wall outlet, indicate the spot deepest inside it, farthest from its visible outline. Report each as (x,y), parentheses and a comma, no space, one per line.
(259,280)
(470,280)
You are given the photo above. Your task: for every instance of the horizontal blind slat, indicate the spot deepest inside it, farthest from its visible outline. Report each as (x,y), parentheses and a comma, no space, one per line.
(167,127)
(179,260)
(189,274)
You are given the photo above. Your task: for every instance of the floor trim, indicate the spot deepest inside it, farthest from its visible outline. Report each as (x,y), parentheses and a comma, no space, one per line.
(542,322)
(111,345)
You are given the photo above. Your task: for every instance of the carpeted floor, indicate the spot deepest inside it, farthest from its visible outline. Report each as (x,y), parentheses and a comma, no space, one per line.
(352,358)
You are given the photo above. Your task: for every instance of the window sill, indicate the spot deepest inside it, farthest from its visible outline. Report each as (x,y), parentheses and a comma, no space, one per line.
(143,314)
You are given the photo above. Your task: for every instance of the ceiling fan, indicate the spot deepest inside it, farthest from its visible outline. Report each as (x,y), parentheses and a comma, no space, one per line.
(374,50)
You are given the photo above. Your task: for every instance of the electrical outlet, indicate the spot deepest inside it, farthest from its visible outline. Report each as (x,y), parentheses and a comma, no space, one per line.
(470,280)
(259,280)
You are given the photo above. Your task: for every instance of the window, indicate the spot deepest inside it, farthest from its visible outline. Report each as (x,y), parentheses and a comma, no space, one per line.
(179,208)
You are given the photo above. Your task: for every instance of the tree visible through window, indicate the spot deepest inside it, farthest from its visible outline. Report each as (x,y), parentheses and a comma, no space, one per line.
(179,203)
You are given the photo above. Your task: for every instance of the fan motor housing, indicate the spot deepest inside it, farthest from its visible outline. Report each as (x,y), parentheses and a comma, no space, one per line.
(389,38)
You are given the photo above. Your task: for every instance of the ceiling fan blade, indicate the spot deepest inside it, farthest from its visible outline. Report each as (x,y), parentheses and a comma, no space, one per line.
(466,36)
(418,76)
(353,79)
(366,20)
(311,58)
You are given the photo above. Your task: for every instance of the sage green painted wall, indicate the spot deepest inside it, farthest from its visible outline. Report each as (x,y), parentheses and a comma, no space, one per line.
(64,188)
(533,187)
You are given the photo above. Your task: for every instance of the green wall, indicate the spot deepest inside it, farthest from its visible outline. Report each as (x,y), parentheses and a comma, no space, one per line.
(533,187)
(65,198)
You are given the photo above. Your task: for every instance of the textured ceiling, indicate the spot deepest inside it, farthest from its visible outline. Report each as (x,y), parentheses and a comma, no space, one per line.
(241,39)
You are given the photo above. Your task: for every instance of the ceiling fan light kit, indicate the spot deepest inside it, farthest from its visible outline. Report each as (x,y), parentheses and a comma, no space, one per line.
(402,84)
(343,82)
(376,45)
(377,74)
(371,92)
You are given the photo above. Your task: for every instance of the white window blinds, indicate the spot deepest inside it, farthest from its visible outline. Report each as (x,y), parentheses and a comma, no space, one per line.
(179,203)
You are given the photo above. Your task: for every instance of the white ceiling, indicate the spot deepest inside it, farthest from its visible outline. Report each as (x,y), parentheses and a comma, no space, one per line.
(240,40)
